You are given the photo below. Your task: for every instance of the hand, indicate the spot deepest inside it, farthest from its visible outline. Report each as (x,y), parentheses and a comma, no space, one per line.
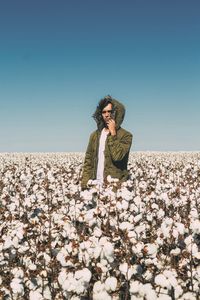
(112,126)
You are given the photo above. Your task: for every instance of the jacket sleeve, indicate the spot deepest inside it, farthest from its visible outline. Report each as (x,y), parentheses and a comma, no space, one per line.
(88,165)
(119,147)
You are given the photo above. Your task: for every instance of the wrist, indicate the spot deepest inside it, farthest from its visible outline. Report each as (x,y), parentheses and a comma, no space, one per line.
(113,132)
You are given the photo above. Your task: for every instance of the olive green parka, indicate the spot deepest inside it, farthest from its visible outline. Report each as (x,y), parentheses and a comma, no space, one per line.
(116,151)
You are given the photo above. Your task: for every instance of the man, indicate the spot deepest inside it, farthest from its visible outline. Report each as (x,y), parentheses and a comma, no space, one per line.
(108,149)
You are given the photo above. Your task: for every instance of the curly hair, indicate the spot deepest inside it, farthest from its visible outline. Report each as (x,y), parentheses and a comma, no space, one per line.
(98,113)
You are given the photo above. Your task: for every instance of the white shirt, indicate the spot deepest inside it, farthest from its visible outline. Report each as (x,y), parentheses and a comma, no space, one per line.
(101,158)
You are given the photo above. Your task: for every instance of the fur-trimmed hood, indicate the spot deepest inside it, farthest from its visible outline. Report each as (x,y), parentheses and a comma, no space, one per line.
(117,114)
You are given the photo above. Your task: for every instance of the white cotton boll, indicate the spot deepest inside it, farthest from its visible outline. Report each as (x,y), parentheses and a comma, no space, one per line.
(12,207)
(32,266)
(115,180)
(132,234)
(86,195)
(164,197)
(89,217)
(126,226)
(127,271)
(83,275)
(61,258)
(97,252)
(140,228)
(149,217)
(73,283)
(173,281)
(133,297)
(195,226)
(125,204)
(155,206)
(62,277)
(47,293)
(188,240)
(99,292)
(35,295)
(46,224)
(108,251)
(43,273)
(137,249)
(134,208)
(134,287)
(131,219)
(27,202)
(109,179)
(147,292)
(151,250)
(66,285)
(197,255)
(102,296)
(113,222)
(165,231)
(79,289)
(35,188)
(98,287)
(148,275)
(23,248)
(15,242)
(143,185)
(137,218)
(68,248)
(47,258)
(17,286)
(193,249)
(180,227)
(175,233)
(7,243)
(119,205)
(137,200)
(175,252)
(160,214)
(123,268)
(178,291)
(168,221)
(126,194)
(194,213)
(164,297)
(162,281)
(86,245)
(189,296)
(111,284)
(17,272)
(103,268)
(97,232)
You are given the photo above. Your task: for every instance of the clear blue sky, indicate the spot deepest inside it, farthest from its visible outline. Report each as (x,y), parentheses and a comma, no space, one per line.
(58,58)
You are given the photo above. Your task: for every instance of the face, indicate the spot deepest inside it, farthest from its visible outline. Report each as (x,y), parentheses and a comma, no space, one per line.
(106,113)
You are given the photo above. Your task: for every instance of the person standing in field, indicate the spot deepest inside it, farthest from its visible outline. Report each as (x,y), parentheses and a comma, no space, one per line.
(109,146)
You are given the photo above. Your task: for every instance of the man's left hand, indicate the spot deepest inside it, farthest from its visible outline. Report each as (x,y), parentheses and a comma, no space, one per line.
(112,126)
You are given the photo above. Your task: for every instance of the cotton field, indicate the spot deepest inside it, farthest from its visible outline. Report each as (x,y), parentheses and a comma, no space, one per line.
(140,240)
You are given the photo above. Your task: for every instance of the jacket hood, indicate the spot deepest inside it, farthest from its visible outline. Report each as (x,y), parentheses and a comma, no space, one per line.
(118,113)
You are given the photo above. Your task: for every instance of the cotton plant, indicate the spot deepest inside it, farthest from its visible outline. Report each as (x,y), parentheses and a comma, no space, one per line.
(139,238)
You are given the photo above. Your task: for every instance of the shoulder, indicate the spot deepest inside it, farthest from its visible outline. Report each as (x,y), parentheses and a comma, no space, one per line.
(94,135)
(122,131)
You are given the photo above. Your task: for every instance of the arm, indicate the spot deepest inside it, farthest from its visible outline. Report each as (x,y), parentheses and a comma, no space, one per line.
(87,167)
(119,147)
